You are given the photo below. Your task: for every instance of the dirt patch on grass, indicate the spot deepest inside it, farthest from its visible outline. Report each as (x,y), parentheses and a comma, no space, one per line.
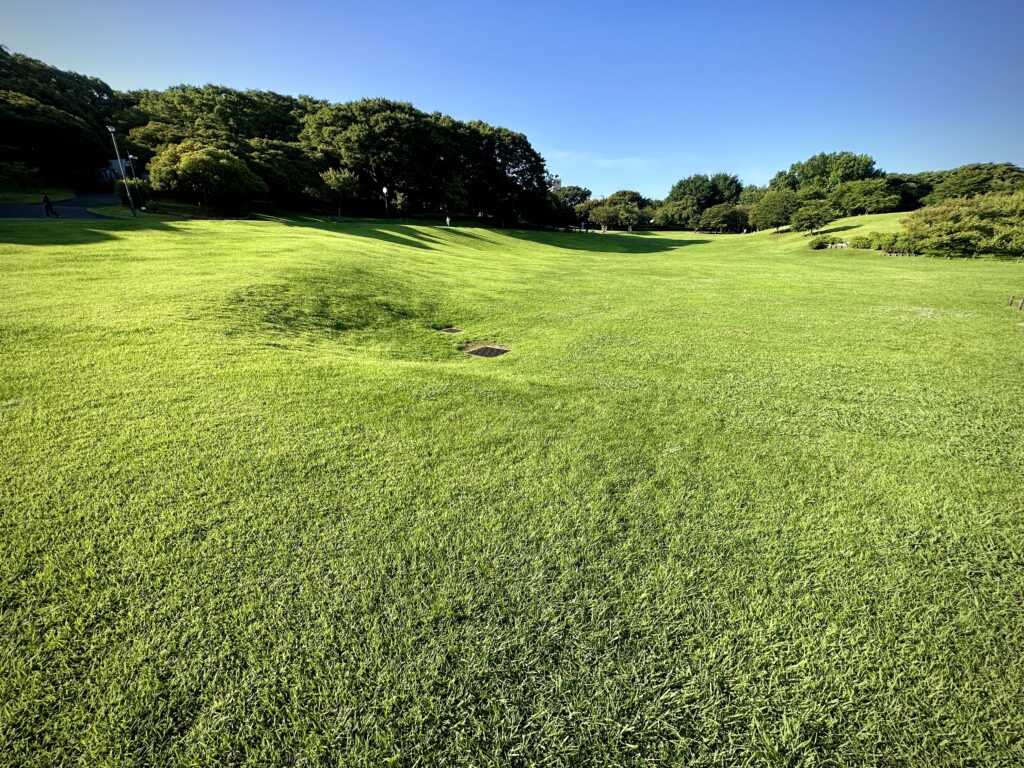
(485,349)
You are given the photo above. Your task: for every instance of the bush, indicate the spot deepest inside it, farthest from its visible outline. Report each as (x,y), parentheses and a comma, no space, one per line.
(142,193)
(905,244)
(862,242)
(19,175)
(883,241)
(823,241)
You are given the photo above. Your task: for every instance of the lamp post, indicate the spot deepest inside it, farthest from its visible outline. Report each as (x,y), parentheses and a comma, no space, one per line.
(120,162)
(131,164)
(386,214)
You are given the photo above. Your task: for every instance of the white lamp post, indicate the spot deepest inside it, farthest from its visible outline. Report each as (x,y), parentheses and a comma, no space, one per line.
(120,162)
(386,214)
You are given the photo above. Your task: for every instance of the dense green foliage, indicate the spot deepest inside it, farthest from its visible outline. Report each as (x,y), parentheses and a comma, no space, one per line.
(989,224)
(726,502)
(812,216)
(281,151)
(977,179)
(212,176)
(822,174)
(53,122)
(775,209)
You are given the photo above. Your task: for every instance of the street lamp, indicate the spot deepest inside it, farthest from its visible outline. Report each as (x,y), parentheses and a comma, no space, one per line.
(120,162)
(386,214)
(131,164)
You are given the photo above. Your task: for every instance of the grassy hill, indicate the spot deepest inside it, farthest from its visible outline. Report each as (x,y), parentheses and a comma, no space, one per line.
(726,500)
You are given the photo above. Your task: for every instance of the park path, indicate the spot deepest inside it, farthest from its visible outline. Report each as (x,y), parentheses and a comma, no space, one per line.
(75,208)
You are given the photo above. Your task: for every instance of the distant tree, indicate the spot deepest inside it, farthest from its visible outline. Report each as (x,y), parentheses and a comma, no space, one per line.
(572,196)
(991,224)
(724,217)
(821,174)
(605,216)
(852,198)
(342,186)
(812,216)
(977,179)
(584,209)
(752,194)
(627,197)
(698,190)
(775,209)
(677,214)
(728,188)
(911,188)
(291,174)
(208,175)
(44,137)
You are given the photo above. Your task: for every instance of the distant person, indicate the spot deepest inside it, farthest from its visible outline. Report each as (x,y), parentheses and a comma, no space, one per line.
(48,208)
(448,220)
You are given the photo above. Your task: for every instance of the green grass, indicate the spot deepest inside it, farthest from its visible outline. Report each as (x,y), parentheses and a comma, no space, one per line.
(727,501)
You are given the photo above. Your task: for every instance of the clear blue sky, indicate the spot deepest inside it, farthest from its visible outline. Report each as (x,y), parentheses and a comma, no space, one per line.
(614,95)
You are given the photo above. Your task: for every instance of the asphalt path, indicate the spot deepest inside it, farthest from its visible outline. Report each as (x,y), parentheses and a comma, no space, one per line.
(75,208)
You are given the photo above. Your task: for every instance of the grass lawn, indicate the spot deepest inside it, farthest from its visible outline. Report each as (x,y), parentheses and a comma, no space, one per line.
(727,501)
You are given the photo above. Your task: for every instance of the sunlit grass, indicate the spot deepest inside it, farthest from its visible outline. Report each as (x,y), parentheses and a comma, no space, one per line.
(727,501)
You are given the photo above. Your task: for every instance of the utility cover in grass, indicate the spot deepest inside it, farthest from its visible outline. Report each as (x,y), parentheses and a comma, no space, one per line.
(486,350)
(450,329)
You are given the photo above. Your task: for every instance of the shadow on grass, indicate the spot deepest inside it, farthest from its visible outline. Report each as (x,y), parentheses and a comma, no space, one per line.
(48,232)
(613,242)
(418,236)
(844,228)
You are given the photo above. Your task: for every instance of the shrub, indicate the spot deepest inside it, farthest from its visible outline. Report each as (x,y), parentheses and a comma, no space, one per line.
(142,193)
(823,241)
(883,241)
(905,244)
(861,241)
(812,216)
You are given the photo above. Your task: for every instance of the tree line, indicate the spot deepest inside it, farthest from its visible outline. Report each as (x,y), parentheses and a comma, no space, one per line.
(230,149)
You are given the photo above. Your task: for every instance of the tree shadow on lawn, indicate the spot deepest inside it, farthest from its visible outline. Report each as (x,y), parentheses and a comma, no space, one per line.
(613,242)
(395,234)
(49,232)
(415,236)
(844,228)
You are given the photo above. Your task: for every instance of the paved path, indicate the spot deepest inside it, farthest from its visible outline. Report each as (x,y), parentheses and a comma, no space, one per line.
(75,208)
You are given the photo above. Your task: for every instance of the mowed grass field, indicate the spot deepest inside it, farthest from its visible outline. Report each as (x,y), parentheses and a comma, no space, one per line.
(727,501)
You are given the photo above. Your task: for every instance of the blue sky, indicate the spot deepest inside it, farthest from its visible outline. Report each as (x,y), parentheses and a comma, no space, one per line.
(614,95)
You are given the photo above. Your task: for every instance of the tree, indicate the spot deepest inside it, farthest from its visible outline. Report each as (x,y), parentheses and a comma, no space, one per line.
(852,198)
(39,135)
(752,194)
(342,184)
(812,216)
(209,175)
(677,214)
(991,224)
(775,209)
(605,216)
(976,179)
(728,188)
(724,217)
(572,196)
(819,175)
(292,175)
(696,189)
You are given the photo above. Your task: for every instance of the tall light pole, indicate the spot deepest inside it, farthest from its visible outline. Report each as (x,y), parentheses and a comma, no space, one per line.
(120,162)
(386,214)
(131,164)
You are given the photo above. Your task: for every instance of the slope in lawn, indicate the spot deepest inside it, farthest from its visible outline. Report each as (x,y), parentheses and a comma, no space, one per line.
(726,500)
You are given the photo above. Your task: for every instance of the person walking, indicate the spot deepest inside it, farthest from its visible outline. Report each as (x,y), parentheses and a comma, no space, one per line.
(48,208)
(448,220)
